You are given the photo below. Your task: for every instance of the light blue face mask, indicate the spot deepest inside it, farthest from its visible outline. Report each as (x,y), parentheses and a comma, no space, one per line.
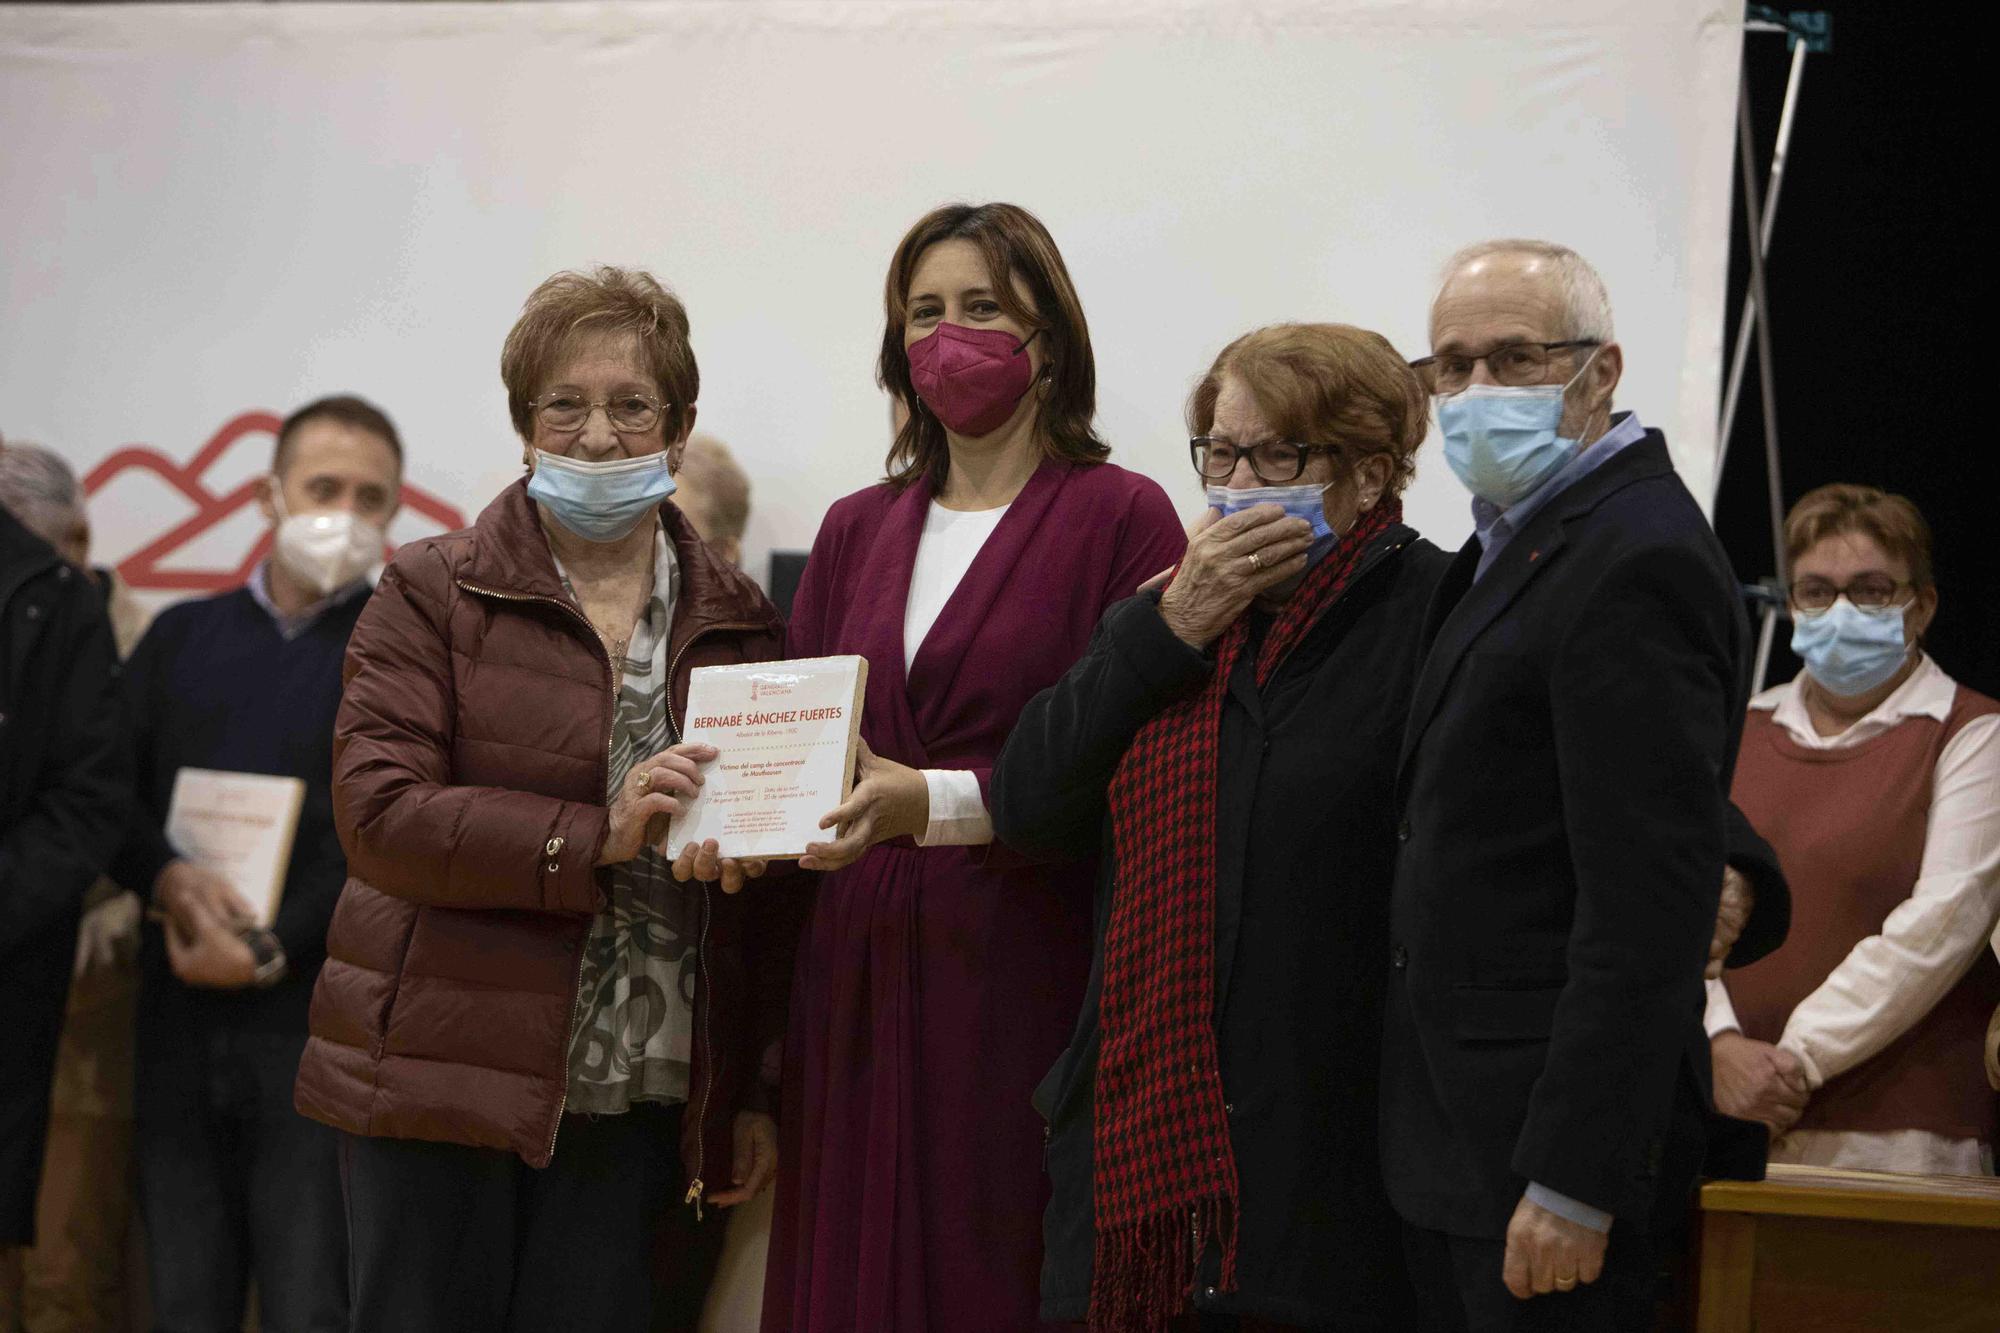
(1304,502)
(600,502)
(1848,650)
(1502,441)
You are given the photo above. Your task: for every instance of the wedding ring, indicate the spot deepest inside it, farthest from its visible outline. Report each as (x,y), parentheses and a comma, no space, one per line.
(1565,1283)
(645,779)
(1256,561)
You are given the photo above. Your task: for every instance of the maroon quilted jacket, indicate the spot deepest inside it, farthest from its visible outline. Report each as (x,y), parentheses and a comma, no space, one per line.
(469,773)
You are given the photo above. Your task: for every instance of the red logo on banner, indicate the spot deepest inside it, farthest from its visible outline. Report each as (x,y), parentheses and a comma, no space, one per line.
(142,568)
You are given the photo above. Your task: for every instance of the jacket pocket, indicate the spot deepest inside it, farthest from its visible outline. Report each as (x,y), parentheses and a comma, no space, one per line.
(1058,1087)
(1503,1013)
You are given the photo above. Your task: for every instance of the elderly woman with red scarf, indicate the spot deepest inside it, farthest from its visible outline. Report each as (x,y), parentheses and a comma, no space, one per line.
(1212,1141)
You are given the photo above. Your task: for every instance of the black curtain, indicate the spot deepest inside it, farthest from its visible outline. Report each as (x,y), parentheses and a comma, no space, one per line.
(1878,344)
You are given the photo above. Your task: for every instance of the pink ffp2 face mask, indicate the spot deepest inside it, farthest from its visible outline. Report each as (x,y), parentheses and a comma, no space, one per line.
(970,379)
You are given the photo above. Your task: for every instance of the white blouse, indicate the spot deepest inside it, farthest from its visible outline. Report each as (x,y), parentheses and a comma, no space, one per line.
(952,539)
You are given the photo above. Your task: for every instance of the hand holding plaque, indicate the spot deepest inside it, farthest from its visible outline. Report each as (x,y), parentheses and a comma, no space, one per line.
(786,735)
(889,800)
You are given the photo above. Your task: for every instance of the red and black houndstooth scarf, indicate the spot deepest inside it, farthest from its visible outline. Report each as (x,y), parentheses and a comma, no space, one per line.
(1165,1174)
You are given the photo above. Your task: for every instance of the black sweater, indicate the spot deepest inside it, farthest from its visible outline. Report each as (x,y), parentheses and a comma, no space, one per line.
(215,685)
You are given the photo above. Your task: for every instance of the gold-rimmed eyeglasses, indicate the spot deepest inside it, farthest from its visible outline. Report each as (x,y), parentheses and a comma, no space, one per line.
(629,413)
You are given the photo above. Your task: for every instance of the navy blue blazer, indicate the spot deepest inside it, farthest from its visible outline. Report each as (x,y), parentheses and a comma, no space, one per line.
(1562,804)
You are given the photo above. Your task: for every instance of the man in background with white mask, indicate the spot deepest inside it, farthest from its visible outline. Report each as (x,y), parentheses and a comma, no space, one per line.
(234,1184)
(1563,826)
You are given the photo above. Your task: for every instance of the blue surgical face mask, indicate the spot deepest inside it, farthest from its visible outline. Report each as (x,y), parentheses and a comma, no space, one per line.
(1502,441)
(600,502)
(1850,650)
(1303,501)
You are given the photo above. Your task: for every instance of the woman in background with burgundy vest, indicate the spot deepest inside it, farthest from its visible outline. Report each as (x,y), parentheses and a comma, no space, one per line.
(941,974)
(1877,779)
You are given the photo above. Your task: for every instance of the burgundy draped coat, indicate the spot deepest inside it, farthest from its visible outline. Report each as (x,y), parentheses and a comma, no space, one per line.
(936,985)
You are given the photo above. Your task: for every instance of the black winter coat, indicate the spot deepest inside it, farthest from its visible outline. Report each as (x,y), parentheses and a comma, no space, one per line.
(64,787)
(1305,849)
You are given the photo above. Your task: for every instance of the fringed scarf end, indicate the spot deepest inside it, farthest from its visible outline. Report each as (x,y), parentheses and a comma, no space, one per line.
(1144,1272)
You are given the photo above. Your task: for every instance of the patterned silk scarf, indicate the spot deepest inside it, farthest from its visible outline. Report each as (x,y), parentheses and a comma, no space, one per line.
(1165,1174)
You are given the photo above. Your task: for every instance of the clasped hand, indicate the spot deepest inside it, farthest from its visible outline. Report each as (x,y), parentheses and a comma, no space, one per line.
(205,921)
(1755,1080)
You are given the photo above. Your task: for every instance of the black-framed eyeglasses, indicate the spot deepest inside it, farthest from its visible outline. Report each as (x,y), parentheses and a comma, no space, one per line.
(1511,364)
(629,413)
(1273,461)
(1869,592)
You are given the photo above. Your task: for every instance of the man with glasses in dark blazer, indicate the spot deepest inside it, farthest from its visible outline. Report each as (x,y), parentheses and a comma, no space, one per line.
(1563,824)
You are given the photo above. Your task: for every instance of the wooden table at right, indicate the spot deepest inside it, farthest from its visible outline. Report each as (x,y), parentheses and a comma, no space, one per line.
(1833,1251)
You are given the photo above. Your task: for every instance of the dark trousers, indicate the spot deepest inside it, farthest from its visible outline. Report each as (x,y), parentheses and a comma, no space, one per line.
(1459,1288)
(235,1185)
(451,1239)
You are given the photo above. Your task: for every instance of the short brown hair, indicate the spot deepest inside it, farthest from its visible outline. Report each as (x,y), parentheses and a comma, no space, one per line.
(348,410)
(573,307)
(1013,242)
(1329,384)
(1891,520)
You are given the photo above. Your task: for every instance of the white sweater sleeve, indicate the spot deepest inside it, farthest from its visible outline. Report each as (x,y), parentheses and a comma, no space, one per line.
(1721,1015)
(958,815)
(1890,980)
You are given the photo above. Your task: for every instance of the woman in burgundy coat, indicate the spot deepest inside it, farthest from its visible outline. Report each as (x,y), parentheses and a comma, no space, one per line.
(941,974)
(539,1034)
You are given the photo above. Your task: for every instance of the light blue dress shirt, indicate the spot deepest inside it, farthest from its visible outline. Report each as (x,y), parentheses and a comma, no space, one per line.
(1496,526)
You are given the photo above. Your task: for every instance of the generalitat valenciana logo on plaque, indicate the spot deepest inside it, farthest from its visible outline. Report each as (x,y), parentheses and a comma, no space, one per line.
(786,734)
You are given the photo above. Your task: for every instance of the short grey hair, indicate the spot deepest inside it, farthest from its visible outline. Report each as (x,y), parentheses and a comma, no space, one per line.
(1586,304)
(38,488)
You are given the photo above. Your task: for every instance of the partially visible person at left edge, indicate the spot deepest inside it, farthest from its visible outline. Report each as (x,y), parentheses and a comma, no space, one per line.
(64,793)
(1563,826)
(73,1278)
(1877,777)
(235,1185)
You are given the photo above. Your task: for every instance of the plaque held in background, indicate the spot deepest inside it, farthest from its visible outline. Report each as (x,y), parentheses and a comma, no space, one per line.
(239,825)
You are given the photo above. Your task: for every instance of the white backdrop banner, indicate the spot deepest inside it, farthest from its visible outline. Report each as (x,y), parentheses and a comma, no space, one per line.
(211,213)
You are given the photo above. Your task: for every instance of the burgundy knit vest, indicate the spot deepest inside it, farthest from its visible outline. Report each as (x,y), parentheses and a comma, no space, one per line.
(1849,825)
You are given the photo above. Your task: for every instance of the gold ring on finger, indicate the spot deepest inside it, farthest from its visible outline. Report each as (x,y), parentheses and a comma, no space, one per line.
(1565,1283)
(1256,561)
(645,779)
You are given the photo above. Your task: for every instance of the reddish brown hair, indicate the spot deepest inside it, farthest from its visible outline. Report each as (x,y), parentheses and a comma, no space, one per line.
(574,307)
(1013,242)
(1329,384)
(1891,520)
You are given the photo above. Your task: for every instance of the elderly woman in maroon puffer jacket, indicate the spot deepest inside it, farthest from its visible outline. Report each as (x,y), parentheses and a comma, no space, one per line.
(539,1033)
